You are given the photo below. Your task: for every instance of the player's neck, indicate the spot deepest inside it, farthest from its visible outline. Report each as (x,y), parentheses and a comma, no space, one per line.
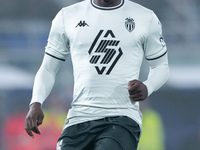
(106,3)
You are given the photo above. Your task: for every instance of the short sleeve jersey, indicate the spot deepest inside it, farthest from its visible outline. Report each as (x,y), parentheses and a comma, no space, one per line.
(107,46)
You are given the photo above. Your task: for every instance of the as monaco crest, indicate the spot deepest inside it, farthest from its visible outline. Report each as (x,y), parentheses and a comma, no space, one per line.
(129,24)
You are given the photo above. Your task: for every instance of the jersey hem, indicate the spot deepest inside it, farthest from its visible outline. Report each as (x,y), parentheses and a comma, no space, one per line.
(69,123)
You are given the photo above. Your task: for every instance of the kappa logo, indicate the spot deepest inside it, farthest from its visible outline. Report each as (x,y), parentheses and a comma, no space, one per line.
(129,24)
(82,24)
(105,52)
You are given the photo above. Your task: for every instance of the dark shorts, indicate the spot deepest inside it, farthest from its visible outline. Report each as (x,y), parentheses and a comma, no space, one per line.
(110,133)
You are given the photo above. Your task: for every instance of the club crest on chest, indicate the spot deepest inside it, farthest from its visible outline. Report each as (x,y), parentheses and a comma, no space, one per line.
(129,24)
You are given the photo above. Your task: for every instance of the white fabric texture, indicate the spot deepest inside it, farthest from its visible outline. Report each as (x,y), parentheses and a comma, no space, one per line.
(107,48)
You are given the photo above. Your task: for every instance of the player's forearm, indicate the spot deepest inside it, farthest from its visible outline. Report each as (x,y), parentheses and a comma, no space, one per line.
(43,85)
(44,79)
(158,74)
(157,77)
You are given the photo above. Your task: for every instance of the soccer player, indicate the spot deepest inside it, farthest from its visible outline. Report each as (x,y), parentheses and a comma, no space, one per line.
(107,40)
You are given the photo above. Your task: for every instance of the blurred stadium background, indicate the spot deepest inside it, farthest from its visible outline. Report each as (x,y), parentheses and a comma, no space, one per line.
(24,28)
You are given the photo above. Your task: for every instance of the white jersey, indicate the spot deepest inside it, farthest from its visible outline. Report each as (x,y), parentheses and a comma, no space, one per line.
(107,46)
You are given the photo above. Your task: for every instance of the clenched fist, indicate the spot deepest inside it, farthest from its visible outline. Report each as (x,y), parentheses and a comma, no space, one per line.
(137,90)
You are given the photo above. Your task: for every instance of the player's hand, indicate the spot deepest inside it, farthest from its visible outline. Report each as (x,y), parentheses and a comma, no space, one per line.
(137,90)
(33,119)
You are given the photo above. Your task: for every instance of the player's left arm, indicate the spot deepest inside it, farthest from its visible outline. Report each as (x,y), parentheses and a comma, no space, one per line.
(158,74)
(155,52)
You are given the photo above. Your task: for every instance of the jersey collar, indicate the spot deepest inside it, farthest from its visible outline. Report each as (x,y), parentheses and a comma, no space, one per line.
(107,8)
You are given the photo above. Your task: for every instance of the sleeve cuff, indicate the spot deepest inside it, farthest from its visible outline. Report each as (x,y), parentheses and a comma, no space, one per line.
(35,101)
(150,87)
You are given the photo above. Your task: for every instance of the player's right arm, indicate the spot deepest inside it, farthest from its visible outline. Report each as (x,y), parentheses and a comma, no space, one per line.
(34,118)
(56,51)
(43,84)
